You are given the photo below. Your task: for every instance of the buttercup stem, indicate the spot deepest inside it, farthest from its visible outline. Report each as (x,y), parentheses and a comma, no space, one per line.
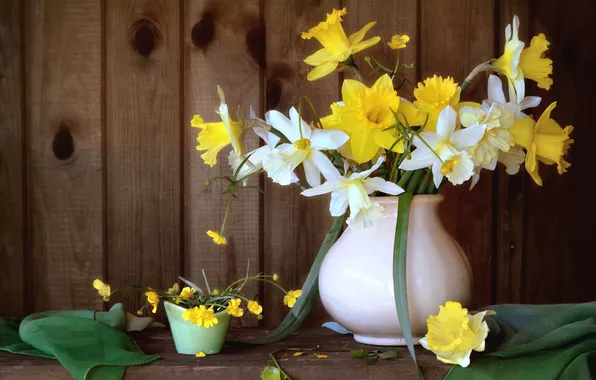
(484,66)
(228,207)
(279,367)
(396,66)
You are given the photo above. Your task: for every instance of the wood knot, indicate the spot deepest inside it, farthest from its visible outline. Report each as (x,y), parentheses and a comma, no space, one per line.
(144,35)
(255,42)
(203,32)
(63,143)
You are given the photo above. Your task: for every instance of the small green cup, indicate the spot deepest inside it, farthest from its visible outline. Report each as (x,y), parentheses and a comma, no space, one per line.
(191,339)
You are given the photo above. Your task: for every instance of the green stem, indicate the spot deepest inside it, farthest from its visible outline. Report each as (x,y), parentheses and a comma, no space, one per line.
(405,178)
(381,66)
(424,184)
(413,184)
(228,207)
(250,175)
(432,188)
(396,66)
(279,367)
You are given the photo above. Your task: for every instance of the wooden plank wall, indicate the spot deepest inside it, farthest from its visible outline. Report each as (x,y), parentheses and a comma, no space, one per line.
(99,175)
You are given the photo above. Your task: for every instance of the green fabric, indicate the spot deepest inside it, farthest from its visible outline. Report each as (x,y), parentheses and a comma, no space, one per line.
(90,345)
(536,342)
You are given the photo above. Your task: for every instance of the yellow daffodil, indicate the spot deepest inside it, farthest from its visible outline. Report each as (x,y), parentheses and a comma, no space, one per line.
(234,308)
(453,334)
(337,47)
(103,289)
(254,307)
(544,141)
(201,316)
(353,192)
(153,299)
(213,137)
(200,355)
(175,289)
(275,277)
(398,41)
(291,297)
(366,115)
(217,238)
(433,95)
(518,63)
(534,65)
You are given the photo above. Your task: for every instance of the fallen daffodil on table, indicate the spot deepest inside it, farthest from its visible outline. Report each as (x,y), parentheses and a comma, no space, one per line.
(453,334)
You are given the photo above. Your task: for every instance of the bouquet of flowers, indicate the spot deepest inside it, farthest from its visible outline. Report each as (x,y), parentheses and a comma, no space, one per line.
(373,141)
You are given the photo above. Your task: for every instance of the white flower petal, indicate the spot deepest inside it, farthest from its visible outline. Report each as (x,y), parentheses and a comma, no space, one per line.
(421,158)
(467,136)
(313,174)
(530,102)
(437,175)
(430,138)
(294,117)
(327,139)
(325,188)
(368,172)
(446,123)
(463,169)
(495,89)
(365,217)
(324,165)
(379,184)
(280,122)
(280,165)
(512,160)
(339,203)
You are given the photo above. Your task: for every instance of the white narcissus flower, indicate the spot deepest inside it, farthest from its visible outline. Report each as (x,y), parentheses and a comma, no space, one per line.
(517,102)
(255,160)
(354,192)
(496,122)
(305,147)
(445,150)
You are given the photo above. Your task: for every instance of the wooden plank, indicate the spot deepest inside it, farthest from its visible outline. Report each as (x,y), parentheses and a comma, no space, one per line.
(559,254)
(224,45)
(294,226)
(246,362)
(463,31)
(64,155)
(143,158)
(509,249)
(397,17)
(12,165)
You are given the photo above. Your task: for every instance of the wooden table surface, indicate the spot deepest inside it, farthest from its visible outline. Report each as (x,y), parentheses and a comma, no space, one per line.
(240,361)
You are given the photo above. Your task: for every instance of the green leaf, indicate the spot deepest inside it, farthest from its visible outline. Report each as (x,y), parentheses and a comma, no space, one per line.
(359,353)
(271,373)
(399,270)
(392,354)
(310,290)
(192,285)
(370,360)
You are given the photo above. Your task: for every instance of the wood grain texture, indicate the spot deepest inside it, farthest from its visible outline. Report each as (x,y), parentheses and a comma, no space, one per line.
(559,254)
(453,45)
(510,202)
(224,45)
(143,155)
(396,17)
(64,154)
(12,165)
(247,362)
(294,226)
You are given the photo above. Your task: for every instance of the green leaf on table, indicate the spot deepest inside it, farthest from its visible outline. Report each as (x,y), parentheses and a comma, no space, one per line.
(271,373)
(359,353)
(310,290)
(392,354)
(370,360)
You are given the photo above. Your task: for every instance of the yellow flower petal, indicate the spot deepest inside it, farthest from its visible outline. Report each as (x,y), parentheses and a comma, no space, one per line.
(153,300)
(200,354)
(299,353)
(254,307)
(359,35)
(320,356)
(365,44)
(319,57)
(322,70)
(433,95)
(217,238)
